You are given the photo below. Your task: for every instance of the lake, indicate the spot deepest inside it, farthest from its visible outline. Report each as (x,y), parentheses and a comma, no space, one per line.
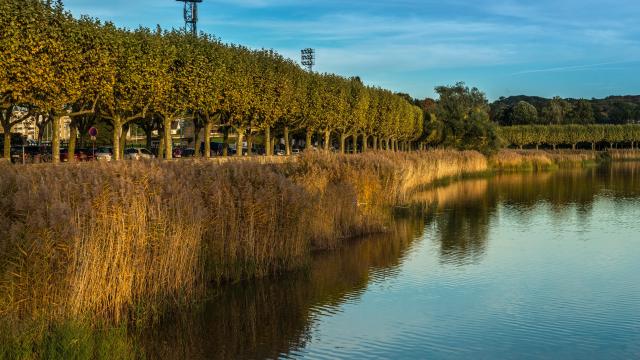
(522,266)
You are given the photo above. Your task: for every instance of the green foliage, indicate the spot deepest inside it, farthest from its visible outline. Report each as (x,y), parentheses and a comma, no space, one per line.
(610,110)
(525,113)
(463,116)
(555,135)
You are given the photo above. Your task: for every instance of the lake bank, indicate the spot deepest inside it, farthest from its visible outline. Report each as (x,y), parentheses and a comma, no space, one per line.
(156,235)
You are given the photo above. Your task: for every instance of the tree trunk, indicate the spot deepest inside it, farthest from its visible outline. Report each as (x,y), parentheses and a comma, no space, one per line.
(308,140)
(115,142)
(343,139)
(7,143)
(268,149)
(73,132)
(161,143)
(225,141)
(327,140)
(593,146)
(354,140)
(239,141)
(148,133)
(207,139)
(168,141)
(365,145)
(375,143)
(287,141)
(196,139)
(123,137)
(55,139)
(573,146)
(250,144)
(554,147)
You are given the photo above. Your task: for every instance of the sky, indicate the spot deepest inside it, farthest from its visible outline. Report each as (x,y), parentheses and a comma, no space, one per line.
(567,48)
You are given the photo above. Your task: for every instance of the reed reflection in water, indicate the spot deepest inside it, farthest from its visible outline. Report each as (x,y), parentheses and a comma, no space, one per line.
(517,265)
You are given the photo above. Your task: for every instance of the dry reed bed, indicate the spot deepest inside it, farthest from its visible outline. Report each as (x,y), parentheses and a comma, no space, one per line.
(126,240)
(540,160)
(624,155)
(123,241)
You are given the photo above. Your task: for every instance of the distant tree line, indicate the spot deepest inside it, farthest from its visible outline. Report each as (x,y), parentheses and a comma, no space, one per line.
(555,135)
(530,110)
(54,65)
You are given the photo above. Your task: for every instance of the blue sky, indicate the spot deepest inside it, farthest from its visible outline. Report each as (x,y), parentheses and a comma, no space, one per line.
(570,48)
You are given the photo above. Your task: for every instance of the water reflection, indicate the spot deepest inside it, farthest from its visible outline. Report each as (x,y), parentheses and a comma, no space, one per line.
(462,213)
(270,319)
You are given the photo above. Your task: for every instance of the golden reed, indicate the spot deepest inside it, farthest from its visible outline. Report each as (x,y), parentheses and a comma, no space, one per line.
(125,241)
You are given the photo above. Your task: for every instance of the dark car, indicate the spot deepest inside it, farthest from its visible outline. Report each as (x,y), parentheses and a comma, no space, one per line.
(16,140)
(188,153)
(30,154)
(217,149)
(78,155)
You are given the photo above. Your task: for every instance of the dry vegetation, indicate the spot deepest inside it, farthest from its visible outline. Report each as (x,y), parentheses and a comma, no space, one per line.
(624,155)
(122,241)
(125,241)
(536,160)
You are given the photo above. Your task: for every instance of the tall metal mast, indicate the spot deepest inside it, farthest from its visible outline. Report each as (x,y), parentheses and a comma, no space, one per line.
(191,15)
(308,58)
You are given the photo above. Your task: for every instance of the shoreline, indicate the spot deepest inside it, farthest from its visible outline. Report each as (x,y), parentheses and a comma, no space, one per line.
(127,226)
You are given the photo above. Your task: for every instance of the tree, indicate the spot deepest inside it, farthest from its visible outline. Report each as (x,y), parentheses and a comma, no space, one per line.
(582,113)
(169,79)
(556,111)
(524,113)
(129,93)
(464,113)
(44,66)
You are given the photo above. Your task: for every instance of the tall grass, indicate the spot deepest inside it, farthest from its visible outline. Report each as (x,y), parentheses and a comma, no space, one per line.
(624,154)
(125,241)
(539,160)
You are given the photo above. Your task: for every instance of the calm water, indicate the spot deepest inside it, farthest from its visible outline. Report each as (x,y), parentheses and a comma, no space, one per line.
(517,266)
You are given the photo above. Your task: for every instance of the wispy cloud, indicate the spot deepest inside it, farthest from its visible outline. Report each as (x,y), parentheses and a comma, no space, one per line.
(604,65)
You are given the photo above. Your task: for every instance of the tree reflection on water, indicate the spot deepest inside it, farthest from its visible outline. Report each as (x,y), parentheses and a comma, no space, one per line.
(274,318)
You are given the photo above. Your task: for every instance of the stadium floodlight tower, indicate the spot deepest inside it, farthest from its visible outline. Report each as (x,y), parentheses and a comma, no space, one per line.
(191,15)
(308,58)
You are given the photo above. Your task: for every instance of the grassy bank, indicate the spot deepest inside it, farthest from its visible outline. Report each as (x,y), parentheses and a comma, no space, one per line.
(124,242)
(534,160)
(624,154)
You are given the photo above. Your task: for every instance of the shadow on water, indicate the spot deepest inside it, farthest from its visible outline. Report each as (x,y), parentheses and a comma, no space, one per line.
(275,318)
(271,318)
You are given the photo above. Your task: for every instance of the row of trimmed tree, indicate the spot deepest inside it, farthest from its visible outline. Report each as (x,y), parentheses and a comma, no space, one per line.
(53,66)
(555,135)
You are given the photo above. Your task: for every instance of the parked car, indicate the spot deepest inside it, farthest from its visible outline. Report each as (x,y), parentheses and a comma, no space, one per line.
(138,154)
(295,152)
(78,155)
(104,154)
(177,153)
(188,153)
(281,153)
(30,154)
